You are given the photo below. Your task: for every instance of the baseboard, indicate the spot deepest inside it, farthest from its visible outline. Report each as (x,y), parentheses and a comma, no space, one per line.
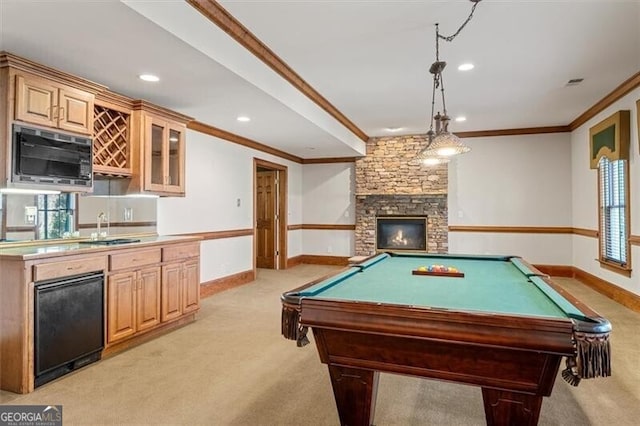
(556,270)
(612,291)
(225,283)
(294,261)
(315,259)
(606,288)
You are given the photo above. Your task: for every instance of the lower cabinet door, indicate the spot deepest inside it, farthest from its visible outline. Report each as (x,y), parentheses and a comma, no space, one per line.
(148,298)
(171,292)
(191,290)
(121,306)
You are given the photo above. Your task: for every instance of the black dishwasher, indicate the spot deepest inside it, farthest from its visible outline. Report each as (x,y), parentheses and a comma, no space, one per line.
(68,324)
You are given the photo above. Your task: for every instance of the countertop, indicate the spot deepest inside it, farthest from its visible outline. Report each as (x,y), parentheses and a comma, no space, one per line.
(58,249)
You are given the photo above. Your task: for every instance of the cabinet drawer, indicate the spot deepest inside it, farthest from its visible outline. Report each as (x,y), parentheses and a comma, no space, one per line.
(132,259)
(180,251)
(47,271)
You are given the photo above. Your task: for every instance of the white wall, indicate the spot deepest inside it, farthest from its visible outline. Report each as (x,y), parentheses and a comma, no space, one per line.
(585,196)
(218,173)
(513,181)
(328,198)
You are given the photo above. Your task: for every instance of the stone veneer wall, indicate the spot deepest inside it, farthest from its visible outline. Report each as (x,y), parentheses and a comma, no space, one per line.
(390,181)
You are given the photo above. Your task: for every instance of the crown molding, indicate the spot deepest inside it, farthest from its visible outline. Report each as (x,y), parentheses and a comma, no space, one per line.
(14,61)
(514,132)
(140,104)
(625,87)
(240,140)
(115,101)
(214,12)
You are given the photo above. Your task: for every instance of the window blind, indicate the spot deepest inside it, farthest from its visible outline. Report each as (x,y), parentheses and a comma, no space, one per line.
(613,226)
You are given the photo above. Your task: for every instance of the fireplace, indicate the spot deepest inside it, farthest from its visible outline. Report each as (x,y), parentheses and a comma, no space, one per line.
(391,183)
(401,233)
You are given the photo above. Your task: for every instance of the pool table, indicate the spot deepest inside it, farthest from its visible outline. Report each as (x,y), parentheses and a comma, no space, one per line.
(504,326)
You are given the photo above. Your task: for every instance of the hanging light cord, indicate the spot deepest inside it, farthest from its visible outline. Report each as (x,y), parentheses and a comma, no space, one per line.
(451,37)
(437,67)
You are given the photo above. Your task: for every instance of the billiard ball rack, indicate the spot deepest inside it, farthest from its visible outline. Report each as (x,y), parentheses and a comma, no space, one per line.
(438,274)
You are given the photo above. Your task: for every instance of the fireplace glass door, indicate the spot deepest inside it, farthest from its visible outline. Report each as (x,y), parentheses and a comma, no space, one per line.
(401,233)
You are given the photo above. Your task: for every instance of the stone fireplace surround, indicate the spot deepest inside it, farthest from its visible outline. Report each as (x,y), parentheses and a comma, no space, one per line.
(390,181)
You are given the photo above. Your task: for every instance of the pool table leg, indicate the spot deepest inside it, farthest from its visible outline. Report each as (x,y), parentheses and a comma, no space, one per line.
(511,408)
(355,392)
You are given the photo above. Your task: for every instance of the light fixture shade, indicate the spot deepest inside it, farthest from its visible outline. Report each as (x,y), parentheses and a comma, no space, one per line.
(434,161)
(445,145)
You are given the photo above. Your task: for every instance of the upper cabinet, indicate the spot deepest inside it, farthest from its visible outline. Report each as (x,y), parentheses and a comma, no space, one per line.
(40,101)
(131,138)
(158,149)
(112,135)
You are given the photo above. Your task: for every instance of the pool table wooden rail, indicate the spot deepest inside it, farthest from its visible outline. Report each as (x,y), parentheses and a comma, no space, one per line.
(548,334)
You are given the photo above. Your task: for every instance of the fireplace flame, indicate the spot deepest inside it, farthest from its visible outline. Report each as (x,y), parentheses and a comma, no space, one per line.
(399,239)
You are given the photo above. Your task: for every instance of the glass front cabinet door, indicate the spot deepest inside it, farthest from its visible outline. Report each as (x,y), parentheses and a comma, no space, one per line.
(164,156)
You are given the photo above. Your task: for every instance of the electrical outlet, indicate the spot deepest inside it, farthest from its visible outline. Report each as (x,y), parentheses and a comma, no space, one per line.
(30,213)
(128,214)
(329,249)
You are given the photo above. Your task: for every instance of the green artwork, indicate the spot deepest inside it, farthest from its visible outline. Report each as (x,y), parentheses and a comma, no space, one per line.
(604,139)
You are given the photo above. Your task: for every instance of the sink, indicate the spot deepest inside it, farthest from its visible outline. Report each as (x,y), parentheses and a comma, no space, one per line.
(111,241)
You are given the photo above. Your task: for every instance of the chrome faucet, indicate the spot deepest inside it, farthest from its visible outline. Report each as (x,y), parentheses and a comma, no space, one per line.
(101,218)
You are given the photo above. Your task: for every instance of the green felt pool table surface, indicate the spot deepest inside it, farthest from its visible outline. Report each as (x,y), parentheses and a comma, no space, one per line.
(492,284)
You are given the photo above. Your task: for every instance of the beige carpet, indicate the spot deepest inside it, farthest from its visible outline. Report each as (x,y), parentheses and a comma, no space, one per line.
(232,367)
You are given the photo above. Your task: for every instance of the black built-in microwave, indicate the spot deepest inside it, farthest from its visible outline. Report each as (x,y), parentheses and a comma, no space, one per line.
(43,156)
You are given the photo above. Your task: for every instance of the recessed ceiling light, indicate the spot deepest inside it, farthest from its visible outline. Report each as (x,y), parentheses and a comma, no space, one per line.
(149,77)
(243,118)
(394,129)
(461,118)
(466,67)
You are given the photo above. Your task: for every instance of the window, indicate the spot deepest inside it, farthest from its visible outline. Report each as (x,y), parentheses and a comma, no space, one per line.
(614,213)
(55,215)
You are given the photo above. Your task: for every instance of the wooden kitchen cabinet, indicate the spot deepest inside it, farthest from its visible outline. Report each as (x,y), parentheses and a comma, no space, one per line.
(133,302)
(172,277)
(133,292)
(112,134)
(180,281)
(191,289)
(47,103)
(121,306)
(158,150)
(164,159)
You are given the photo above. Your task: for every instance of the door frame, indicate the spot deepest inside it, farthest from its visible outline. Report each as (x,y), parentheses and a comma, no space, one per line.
(281,241)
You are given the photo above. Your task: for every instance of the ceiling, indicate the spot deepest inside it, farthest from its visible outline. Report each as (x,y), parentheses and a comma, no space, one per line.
(369,59)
